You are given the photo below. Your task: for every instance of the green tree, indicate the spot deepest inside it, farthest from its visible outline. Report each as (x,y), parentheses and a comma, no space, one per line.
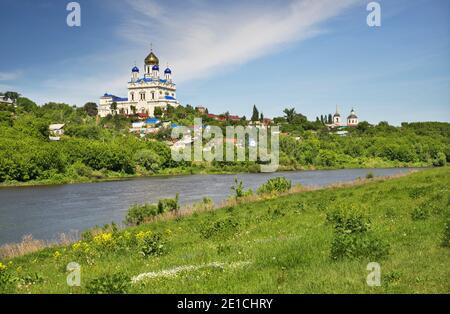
(289,114)
(26,104)
(113,107)
(363,126)
(158,112)
(255,114)
(148,159)
(91,108)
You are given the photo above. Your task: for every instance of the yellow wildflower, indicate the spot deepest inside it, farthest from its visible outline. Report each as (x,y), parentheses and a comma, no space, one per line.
(57,254)
(104,238)
(141,235)
(3,267)
(76,246)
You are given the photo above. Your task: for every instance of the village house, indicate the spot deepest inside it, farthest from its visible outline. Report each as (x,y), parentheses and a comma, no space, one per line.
(55,131)
(201,110)
(6,101)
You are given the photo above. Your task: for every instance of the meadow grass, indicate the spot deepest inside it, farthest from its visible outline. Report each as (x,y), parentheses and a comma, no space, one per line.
(282,244)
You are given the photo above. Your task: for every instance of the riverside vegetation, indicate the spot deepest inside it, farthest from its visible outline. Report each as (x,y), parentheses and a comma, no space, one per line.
(98,149)
(281,239)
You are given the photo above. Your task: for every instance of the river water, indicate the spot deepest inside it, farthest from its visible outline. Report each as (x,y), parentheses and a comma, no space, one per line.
(47,211)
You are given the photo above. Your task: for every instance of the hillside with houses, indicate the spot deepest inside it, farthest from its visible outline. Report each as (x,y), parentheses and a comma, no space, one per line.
(59,143)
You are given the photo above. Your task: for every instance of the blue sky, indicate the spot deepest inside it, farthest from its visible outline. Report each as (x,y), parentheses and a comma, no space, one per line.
(229,55)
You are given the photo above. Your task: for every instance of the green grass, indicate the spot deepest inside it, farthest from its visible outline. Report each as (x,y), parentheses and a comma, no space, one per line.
(280,245)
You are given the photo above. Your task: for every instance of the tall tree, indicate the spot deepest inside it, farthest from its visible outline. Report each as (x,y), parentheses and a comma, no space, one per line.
(113,107)
(255,114)
(91,108)
(289,114)
(261,117)
(330,119)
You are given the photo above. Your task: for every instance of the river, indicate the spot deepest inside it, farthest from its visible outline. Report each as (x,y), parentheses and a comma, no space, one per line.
(47,211)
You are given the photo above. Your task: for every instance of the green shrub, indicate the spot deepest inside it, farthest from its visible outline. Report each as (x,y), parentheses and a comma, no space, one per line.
(148,159)
(207,201)
(239,190)
(168,204)
(300,207)
(152,245)
(440,160)
(275,212)
(352,235)
(97,174)
(370,175)
(348,220)
(420,213)
(80,169)
(109,284)
(275,185)
(222,227)
(138,213)
(363,245)
(418,192)
(7,277)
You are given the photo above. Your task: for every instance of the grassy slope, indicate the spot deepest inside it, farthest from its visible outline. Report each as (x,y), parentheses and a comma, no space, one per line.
(289,252)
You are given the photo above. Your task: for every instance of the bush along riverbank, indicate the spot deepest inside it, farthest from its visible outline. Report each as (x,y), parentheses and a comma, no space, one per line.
(278,239)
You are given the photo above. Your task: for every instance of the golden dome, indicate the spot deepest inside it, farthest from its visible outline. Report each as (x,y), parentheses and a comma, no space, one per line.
(152,59)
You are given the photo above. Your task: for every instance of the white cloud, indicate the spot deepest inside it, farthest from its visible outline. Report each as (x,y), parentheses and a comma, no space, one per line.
(200,39)
(197,37)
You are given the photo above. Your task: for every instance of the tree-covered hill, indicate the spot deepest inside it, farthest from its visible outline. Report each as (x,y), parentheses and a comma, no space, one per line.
(99,148)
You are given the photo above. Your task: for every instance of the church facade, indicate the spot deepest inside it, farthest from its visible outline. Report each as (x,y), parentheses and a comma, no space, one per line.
(145,92)
(352,119)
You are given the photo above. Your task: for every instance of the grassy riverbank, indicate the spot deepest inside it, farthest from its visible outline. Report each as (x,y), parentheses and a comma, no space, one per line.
(305,242)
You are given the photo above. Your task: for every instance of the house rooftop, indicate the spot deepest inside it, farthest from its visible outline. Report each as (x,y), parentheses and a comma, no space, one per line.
(56,126)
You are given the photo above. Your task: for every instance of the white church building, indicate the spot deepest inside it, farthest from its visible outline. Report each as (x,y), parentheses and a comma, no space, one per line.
(352,120)
(145,93)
